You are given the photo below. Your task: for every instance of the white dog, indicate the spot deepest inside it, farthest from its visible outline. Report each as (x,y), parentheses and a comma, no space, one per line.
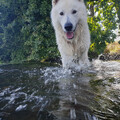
(69,19)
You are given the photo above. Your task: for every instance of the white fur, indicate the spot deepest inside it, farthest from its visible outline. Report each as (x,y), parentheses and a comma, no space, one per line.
(74,52)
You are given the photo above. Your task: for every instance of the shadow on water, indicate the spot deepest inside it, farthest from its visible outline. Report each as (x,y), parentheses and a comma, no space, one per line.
(37,92)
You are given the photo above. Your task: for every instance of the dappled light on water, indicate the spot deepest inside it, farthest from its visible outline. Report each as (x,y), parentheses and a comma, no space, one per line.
(45,92)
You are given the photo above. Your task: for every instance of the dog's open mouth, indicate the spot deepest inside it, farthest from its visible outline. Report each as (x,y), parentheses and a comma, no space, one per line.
(70,35)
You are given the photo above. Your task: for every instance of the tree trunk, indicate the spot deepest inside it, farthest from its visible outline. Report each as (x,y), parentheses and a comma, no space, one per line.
(92,10)
(117,5)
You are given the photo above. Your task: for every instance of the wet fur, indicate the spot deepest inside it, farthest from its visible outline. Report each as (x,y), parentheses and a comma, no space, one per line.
(73,52)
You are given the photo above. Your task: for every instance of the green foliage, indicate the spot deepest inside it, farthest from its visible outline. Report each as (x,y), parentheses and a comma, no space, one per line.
(102,24)
(26,32)
(38,32)
(11,24)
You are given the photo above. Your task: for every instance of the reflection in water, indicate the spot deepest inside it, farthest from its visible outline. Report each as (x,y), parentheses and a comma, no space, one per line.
(37,92)
(76,99)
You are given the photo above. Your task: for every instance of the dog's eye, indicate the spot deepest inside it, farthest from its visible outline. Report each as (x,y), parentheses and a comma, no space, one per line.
(74,11)
(61,13)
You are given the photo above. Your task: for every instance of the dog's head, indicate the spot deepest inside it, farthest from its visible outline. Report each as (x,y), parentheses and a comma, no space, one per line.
(67,14)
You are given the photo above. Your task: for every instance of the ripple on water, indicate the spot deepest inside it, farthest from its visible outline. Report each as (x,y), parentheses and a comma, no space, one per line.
(106,68)
(56,93)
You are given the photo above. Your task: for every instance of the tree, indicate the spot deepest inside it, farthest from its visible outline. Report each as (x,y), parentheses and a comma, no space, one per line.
(38,32)
(26,32)
(117,6)
(11,23)
(102,22)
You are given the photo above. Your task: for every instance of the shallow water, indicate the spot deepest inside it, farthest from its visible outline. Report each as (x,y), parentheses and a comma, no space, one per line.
(47,92)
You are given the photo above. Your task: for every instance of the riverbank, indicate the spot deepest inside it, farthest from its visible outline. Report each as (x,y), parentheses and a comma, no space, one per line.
(112,52)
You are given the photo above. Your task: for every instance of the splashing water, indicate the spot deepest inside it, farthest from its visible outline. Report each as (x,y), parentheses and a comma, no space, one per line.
(42,92)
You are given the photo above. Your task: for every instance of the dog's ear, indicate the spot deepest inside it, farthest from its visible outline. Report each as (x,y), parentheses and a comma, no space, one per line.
(54,2)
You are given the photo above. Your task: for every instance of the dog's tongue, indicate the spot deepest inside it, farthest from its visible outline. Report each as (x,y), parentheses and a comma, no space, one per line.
(70,35)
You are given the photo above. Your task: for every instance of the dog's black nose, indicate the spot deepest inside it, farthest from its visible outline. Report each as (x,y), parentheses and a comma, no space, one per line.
(68,27)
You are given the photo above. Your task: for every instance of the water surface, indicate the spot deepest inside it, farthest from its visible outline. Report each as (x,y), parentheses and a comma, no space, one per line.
(47,92)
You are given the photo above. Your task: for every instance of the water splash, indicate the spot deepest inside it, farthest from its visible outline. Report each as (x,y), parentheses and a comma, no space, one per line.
(63,94)
(21,107)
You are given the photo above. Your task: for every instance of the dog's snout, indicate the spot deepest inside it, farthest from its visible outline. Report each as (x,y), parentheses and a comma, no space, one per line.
(68,27)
